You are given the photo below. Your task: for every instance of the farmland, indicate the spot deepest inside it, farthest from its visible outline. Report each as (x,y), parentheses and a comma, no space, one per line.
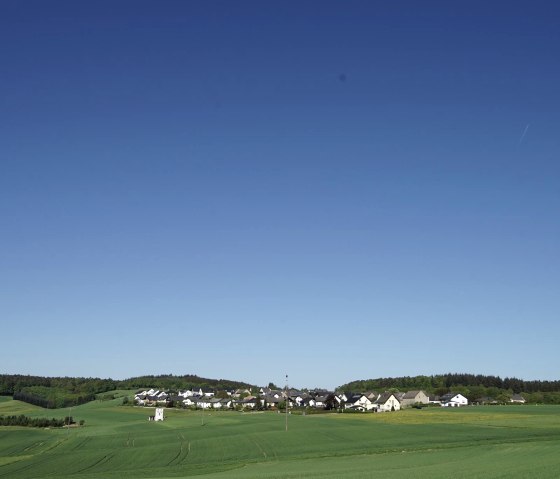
(117,441)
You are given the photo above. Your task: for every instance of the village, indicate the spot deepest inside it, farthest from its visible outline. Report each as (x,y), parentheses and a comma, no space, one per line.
(275,399)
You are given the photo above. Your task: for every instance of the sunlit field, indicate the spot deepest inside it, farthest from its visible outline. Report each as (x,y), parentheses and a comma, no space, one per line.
(118,441)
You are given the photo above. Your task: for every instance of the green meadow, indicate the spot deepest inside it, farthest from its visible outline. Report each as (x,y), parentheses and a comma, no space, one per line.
(118,441)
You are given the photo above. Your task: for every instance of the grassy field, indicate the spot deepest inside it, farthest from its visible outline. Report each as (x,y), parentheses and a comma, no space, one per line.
(116,441)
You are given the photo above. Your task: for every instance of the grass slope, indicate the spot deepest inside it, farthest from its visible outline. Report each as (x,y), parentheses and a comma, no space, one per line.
(489,442)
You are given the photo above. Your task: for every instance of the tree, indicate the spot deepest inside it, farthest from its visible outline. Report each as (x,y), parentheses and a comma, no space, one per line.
(503,397)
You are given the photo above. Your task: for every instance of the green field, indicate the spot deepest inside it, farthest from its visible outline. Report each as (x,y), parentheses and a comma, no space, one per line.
(117,441)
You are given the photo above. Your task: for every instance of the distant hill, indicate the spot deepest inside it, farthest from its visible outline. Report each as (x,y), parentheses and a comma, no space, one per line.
(56,392)
(188,381)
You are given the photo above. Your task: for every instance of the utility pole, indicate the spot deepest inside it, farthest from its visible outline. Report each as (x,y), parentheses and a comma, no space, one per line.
(287,402)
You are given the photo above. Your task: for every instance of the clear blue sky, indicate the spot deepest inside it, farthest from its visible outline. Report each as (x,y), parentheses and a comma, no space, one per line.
(244,190)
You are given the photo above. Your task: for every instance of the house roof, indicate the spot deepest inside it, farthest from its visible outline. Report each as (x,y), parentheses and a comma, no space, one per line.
(272,399)
(322,398)
(410,394)
(383,398)
(321,392)
(447,397)
(355,397)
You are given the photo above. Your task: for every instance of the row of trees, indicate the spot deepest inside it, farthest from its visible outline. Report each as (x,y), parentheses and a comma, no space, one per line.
(27,421)
(52,399)
(453,381)
(176,383)
(13,383)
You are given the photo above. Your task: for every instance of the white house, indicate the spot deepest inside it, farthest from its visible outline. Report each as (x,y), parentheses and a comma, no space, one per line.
(360,402)
(320,401)
(227,403)
(203,403)
(249,402)
(387,402)
(270,401)
(454,400)
(297,399)
(270,392)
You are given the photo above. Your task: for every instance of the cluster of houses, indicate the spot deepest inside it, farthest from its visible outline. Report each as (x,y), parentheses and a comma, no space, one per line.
(268,398)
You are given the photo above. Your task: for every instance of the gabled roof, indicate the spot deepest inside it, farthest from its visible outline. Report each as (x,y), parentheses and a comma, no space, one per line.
(356,397)
(321,392)
(383,398)
(322,398)
(411,394)
(449,396)
(272,399)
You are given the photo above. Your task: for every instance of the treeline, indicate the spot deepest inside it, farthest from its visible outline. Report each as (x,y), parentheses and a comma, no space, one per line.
(188,381)
(27,421)
(13,383)
(53,392)
(51,400)
(472,386)
(58,392)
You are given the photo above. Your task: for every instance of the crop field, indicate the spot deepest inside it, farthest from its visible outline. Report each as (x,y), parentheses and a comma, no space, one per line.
(118,441)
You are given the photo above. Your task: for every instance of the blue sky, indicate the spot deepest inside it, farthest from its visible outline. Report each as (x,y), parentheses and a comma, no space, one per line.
(245,190)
